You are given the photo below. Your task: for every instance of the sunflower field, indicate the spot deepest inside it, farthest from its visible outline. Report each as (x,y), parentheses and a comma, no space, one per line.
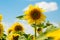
(44,30)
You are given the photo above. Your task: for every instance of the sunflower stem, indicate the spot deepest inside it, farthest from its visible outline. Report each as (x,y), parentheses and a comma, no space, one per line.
(35,30)
(35,33)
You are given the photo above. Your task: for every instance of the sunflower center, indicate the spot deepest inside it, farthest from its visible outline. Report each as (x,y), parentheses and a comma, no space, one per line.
(35,14)
(15,37)
(18,28)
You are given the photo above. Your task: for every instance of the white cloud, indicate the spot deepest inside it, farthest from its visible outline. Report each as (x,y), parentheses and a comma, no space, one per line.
(55,24)
(27,27)
(48,6)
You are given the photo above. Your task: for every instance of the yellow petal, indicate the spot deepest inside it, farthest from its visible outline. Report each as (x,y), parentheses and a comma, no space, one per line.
(0,17)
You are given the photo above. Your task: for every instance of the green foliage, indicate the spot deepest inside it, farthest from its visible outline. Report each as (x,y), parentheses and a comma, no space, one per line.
(42,25)
(49,38)
(23,36)
(20,17)
(4,37)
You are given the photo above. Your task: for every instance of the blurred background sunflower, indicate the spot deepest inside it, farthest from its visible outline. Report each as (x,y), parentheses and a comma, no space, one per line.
(1,27)
(9,30)
(13,37)
(54,34)
(16,27)
(1,30)
(1,17)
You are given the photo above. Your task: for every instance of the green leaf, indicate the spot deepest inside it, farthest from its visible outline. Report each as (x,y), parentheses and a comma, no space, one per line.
(20,17)
(48,23)
(3,38)
(33,25)
(50,38)
(51,29)
(41,25)
(21,38)
(25,35)
(4,35)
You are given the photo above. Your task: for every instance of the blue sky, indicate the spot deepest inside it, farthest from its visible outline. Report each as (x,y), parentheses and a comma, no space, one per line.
(10,9)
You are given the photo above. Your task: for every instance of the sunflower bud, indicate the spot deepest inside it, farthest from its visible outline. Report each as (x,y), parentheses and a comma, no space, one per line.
(39,30)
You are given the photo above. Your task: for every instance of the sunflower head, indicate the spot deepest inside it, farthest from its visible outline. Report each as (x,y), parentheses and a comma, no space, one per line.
(33,14)
(17,27)
(13,36)
(0,17)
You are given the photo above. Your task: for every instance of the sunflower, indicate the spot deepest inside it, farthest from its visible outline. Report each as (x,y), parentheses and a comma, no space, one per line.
(32,37)
(39,30)
(9,30)
(13,36)
(0,17)
(55,34)
(17,27)
(1,30)
(34,14)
